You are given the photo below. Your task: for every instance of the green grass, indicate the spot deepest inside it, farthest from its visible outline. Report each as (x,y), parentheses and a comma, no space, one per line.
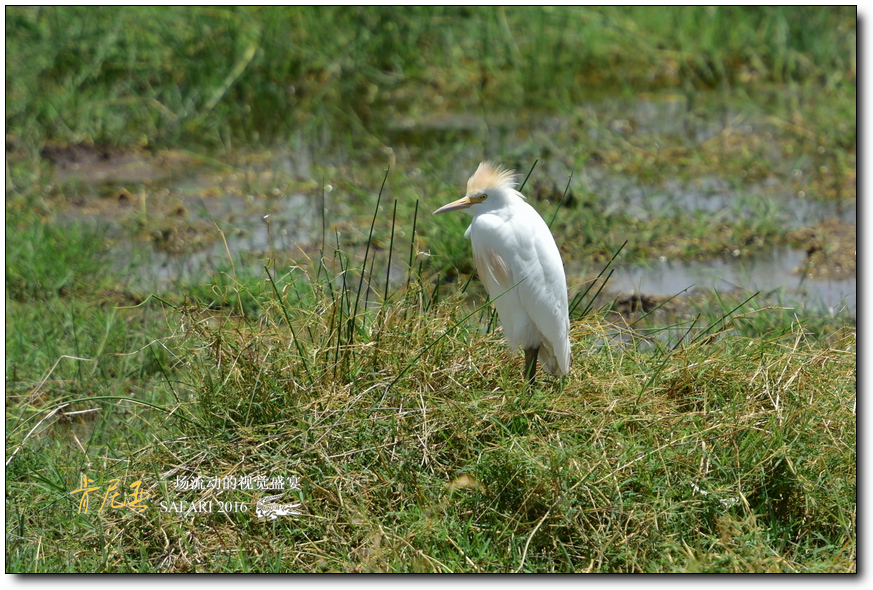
(221,76)
(417,447)
(720,437)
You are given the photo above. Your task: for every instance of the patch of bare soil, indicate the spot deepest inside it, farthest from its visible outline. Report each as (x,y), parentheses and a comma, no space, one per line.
(176,233)
(96,163)
(154,213)
(831,249)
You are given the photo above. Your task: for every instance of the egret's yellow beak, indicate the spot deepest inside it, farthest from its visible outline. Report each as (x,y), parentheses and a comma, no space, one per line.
(461,203)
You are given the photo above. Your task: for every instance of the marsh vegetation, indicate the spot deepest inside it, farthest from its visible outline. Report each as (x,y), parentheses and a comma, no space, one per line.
(221,263)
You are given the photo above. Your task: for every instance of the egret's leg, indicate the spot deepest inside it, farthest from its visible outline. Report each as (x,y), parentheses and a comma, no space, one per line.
(530,364)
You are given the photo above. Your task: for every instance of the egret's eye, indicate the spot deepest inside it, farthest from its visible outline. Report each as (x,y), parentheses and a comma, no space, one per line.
(480,198)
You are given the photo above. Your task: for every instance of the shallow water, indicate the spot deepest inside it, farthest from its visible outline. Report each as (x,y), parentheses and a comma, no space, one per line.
(258,228)
(774,274)
(253,225)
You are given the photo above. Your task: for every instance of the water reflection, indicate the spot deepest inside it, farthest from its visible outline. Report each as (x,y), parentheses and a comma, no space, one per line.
(775,274)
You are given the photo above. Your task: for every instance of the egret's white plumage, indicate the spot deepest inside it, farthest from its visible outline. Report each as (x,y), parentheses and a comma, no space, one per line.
(520,264)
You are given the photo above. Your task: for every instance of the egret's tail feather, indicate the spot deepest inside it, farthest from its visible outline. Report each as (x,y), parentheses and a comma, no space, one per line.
(551,364)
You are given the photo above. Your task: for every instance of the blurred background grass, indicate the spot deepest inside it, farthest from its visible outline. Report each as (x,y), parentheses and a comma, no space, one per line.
(225,76)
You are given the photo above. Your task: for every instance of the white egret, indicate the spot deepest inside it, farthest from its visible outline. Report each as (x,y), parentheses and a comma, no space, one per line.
(519,262)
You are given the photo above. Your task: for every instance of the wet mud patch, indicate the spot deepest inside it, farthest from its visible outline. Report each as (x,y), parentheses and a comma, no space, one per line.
(148,215)
(183,215)
(123,185)
(98,163)
(629,304)
(831,250)
(173,200)
(177,233)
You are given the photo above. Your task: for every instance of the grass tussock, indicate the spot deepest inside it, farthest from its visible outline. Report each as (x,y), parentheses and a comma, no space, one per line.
(421,451)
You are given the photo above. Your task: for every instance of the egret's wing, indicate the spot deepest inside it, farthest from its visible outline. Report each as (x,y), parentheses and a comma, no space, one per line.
(493,270)
(493,253)
(543,293)
(520,255)
(493,240)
